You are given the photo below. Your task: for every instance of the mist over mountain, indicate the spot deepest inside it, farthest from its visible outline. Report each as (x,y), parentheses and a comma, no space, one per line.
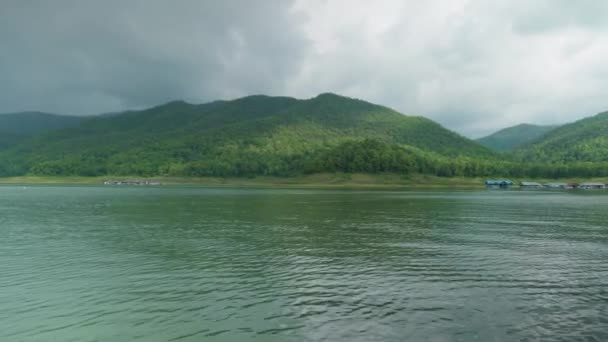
(17,127)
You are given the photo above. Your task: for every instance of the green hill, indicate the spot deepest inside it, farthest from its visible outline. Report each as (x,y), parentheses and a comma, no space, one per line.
(585,140)
(255,135)
(510,138)
(16,127)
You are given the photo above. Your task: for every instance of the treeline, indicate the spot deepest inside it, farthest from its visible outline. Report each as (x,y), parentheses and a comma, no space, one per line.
(583,140)
(370,156)
(356,156)
(595,150)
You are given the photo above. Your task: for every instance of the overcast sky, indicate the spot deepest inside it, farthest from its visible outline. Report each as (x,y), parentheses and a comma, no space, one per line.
(473,65)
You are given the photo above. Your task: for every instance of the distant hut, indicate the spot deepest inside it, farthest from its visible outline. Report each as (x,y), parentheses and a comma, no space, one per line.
(592,186)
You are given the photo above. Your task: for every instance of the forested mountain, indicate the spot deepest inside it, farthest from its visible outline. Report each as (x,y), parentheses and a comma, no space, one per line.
(16,127)
(247,136)
(510,138)
(585,140)
(282,136)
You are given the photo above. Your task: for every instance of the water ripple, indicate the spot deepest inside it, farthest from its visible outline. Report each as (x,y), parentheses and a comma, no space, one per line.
(187,264)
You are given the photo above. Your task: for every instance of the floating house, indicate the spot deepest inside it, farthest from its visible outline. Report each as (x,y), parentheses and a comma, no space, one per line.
(499,183)
(589,186)
(561,185)
(131,182)
(530,185)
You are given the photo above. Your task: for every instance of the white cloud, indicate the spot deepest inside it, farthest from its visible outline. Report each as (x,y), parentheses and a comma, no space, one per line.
(473,65)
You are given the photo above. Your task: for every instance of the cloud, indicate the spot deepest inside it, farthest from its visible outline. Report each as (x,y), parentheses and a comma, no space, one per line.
(91,56)
(472,65)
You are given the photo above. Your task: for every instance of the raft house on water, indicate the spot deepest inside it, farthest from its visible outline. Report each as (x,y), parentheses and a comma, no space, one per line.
(560,185)
(592,186)
(131,182)
(535,185)
(532,185)
(498,183)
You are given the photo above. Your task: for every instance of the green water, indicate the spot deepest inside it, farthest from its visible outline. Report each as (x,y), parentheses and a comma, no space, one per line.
(195,264)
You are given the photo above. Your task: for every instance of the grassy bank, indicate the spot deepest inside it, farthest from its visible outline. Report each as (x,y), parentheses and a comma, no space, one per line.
(333,180)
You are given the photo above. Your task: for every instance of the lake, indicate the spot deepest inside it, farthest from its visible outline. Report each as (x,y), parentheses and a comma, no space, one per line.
(200,264)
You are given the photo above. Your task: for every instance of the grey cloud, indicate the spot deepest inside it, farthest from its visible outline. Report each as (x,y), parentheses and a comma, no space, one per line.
(91,56)
(549,15)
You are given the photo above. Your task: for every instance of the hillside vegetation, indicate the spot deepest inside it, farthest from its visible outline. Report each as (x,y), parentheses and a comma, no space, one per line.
(248,136)
(267,136)
(510,138)
(585,140)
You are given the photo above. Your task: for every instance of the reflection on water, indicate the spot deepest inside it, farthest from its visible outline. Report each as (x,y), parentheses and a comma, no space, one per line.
(192,264)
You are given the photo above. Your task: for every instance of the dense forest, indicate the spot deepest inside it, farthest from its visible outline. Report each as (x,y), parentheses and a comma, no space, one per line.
(585,140)
(280,136)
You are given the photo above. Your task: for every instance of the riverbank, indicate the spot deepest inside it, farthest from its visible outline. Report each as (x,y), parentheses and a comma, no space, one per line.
(334,180)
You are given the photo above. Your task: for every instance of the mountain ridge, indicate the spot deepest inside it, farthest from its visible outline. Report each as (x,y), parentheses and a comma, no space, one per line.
(256,134)
(509,138)
(284,136)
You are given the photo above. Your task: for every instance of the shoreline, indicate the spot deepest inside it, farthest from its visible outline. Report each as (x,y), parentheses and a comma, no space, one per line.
(337,180)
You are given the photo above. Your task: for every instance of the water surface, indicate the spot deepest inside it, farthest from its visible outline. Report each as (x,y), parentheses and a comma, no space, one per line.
(196,264)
